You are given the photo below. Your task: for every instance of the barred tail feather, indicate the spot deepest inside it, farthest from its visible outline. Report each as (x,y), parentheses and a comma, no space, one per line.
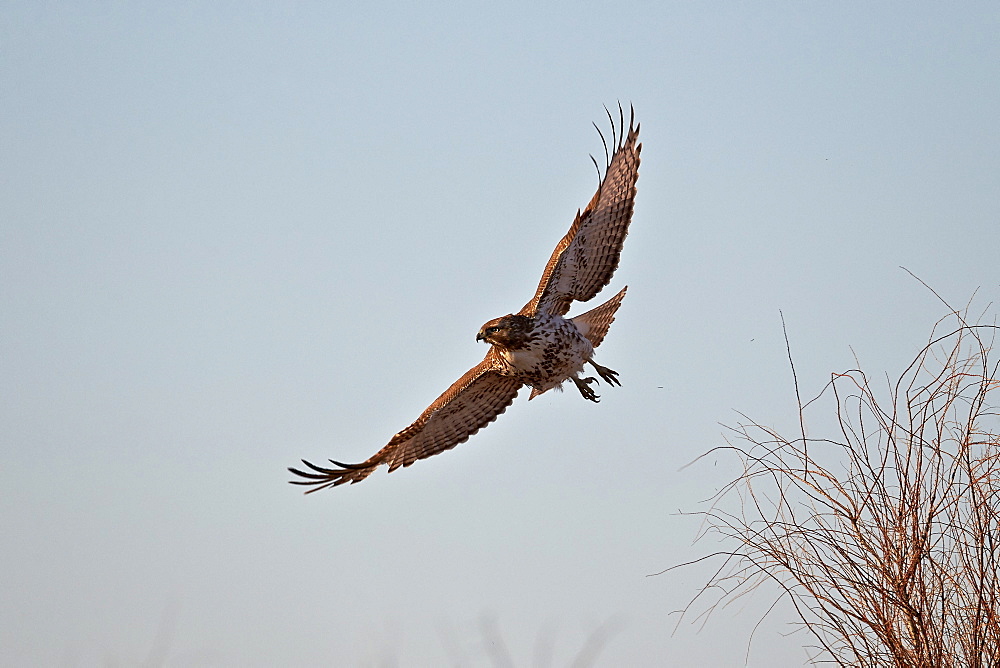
(594,324)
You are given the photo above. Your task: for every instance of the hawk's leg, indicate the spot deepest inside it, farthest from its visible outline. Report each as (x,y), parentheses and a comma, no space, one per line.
(610,376)
(583,384)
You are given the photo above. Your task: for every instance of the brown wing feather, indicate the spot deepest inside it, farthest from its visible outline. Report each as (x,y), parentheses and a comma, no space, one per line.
(471,403)
(585,259)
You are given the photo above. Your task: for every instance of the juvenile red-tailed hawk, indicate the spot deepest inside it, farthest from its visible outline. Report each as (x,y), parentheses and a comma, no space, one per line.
(537,346)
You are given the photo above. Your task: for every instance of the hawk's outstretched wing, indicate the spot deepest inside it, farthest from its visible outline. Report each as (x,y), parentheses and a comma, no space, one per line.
(585,259)
(471,403)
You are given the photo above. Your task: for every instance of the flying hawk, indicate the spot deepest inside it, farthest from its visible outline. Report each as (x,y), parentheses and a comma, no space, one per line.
(537,346)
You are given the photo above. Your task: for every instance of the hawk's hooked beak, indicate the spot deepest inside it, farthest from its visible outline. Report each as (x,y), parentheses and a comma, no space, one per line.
(480,337)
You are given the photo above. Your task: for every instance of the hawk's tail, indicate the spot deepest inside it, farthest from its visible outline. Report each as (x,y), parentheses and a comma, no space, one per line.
(594,324)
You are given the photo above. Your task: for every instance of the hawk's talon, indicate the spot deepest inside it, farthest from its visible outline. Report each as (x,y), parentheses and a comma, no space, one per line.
(610,376)
(583,384)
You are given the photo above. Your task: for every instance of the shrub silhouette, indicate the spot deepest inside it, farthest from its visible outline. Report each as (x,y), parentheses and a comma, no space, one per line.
(884,533)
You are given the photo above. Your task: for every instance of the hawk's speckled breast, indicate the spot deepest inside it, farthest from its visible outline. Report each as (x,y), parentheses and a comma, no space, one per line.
(555,351)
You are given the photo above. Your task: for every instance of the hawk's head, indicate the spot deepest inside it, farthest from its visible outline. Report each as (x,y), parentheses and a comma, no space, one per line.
(510,331)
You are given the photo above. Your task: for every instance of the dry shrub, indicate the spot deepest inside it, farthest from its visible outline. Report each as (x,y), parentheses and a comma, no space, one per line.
(885,536)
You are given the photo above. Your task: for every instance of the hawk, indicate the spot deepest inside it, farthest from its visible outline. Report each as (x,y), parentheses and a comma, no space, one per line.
(537,346)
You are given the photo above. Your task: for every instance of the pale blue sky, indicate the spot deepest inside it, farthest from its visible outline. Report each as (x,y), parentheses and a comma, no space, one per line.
(234,235)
